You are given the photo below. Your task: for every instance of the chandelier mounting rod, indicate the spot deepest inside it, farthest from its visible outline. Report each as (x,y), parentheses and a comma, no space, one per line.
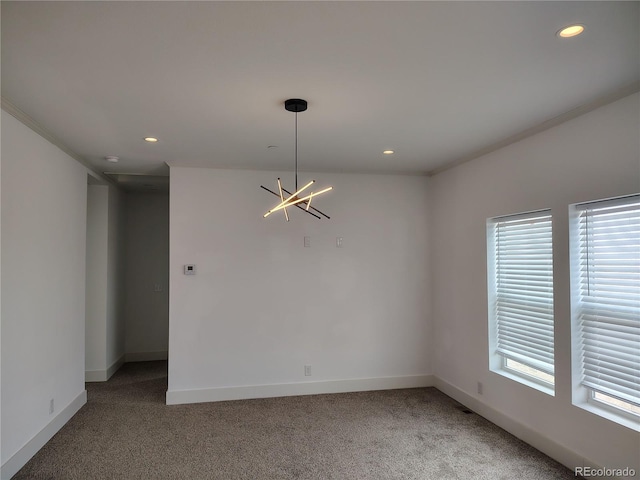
(296,105)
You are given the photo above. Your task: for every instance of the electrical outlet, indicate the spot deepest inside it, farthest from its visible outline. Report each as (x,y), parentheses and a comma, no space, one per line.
(307,370)
(479,388)
(51,406)
(307,241)
(157,287)
(339,242)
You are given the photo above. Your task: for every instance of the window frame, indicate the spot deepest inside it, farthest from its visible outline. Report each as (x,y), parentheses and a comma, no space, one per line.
(583,396)
(498,360)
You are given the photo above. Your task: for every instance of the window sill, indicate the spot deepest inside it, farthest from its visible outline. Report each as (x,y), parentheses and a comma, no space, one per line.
(549,390)
(608,413)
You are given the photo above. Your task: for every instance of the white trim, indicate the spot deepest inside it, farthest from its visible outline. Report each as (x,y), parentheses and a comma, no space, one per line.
(145,356)
(22,456)
(609,412)
(26,120)
(95,375)
(115,366)
(537,440)
(177,397)
(541,127)
(104,375)
(525,379)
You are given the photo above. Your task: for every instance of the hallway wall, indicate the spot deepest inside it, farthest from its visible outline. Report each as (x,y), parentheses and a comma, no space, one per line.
(146,271)
(43,291)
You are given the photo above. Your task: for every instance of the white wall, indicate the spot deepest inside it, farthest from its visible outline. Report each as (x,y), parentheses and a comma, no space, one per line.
(147,268)
(115,328)
(43,269)
(96,282)
(593,156)
(262,305)
(104,333)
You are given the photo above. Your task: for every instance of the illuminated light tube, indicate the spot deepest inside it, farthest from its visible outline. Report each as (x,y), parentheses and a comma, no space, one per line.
(286,215)
(286,203)
(299,200)
(303,199)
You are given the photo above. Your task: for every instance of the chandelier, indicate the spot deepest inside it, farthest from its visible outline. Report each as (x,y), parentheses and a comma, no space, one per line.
(297,199)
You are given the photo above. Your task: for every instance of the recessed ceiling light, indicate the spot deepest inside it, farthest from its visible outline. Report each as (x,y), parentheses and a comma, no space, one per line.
(150,139)
(112,159)
(571,31)
(388,152)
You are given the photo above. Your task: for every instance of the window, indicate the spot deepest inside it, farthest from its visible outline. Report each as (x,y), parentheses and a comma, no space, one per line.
(520,281)
(605,241)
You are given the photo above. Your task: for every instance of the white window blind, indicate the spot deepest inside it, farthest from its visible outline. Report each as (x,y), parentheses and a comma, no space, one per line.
(523,297)
(608,312)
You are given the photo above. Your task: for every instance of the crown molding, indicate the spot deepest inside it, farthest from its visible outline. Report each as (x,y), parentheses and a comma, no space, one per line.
(25,119)
(546,125)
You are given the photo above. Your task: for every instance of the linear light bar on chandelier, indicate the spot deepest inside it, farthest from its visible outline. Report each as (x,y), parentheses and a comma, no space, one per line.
(286,215)
(293,200)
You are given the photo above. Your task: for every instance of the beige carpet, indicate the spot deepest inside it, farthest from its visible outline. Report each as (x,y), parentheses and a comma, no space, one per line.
(126,432)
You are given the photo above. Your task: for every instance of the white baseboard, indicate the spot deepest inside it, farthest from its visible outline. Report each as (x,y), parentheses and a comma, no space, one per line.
(145,356)
(104,375)
(22,456)
(115,366)
(558,452)
(95,375)
(176,397)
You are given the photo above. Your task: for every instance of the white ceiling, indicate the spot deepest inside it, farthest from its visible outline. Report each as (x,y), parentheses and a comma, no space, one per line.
(435,81)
